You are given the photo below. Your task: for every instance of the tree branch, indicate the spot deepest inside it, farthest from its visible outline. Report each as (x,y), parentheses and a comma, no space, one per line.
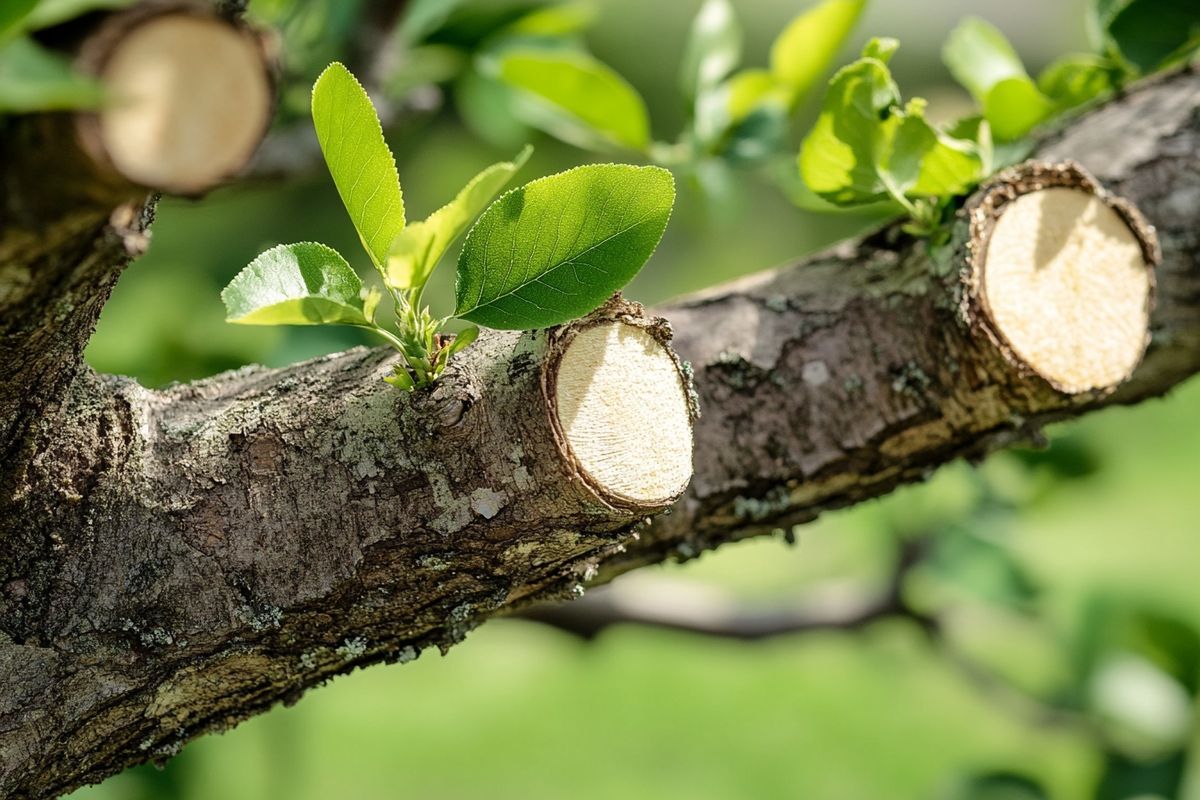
(686,606)
(173,562)
(835,380)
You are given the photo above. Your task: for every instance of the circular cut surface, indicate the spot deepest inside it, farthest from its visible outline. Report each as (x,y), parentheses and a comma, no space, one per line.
(188,99)
(1066,283)
(624,412)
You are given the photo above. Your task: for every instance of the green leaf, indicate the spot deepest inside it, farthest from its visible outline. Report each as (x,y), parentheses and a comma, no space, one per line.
(487,107)
(52,12)
(295,284)
(423,17)
(35,79)
(12,12)
(841,157)
(1148,34)
(401,379)
(865,148)
(713,49)
(359,160)
(979,57)
(584,89)
(982,60)
(810,42)
(371,298)
(752,96)
(556,248)
(461,341)
(748,90)
(1014,107)
(925,162)
(759,135)
(421,245)
(1077,79)
(559,20)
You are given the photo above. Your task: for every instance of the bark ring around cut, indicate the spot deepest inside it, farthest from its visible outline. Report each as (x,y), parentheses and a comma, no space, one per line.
(622,408)
(1061,275)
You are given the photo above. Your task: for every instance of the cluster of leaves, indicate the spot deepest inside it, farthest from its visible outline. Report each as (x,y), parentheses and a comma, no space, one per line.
(546,253)
(869,147)
(519,65)
(33,78)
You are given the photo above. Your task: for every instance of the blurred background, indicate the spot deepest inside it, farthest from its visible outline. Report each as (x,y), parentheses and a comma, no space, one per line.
(1046,643)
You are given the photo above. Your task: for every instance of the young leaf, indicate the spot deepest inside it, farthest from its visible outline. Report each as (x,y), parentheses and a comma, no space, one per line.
(401,379)
(421,245)
(556,248)
(982,60)
(841,156)
(35,79)
(359,160)
(1073,80)
(925,162)
(1014,107)
(295,284)
(370,298)
(583,88)
(865,147)
(713,49)
(811,41)
(461,341)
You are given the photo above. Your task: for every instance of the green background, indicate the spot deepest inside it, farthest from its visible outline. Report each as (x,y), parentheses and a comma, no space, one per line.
(1104,523)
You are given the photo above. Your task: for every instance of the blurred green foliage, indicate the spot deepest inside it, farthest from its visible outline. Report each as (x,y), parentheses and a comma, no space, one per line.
(1065,660)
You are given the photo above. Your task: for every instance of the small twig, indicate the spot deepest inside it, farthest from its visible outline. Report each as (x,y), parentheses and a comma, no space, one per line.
(684,606)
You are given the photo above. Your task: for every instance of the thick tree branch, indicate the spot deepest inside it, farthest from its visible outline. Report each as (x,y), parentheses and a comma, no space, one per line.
(835,380)
(172,562)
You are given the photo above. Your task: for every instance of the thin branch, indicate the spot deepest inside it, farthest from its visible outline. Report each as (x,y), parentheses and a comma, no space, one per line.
(689,607)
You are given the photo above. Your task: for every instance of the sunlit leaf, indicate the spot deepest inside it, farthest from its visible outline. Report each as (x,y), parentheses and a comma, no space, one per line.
(295,284)
(983,61)
(810,42)
(421,245)
(583,88)
(925,162)
(841,157)
(1015,106)
(865,147)
(558,247)
(359,160)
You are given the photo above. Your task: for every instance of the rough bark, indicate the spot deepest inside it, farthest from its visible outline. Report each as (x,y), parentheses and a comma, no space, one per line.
(835,380)
(174,562)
